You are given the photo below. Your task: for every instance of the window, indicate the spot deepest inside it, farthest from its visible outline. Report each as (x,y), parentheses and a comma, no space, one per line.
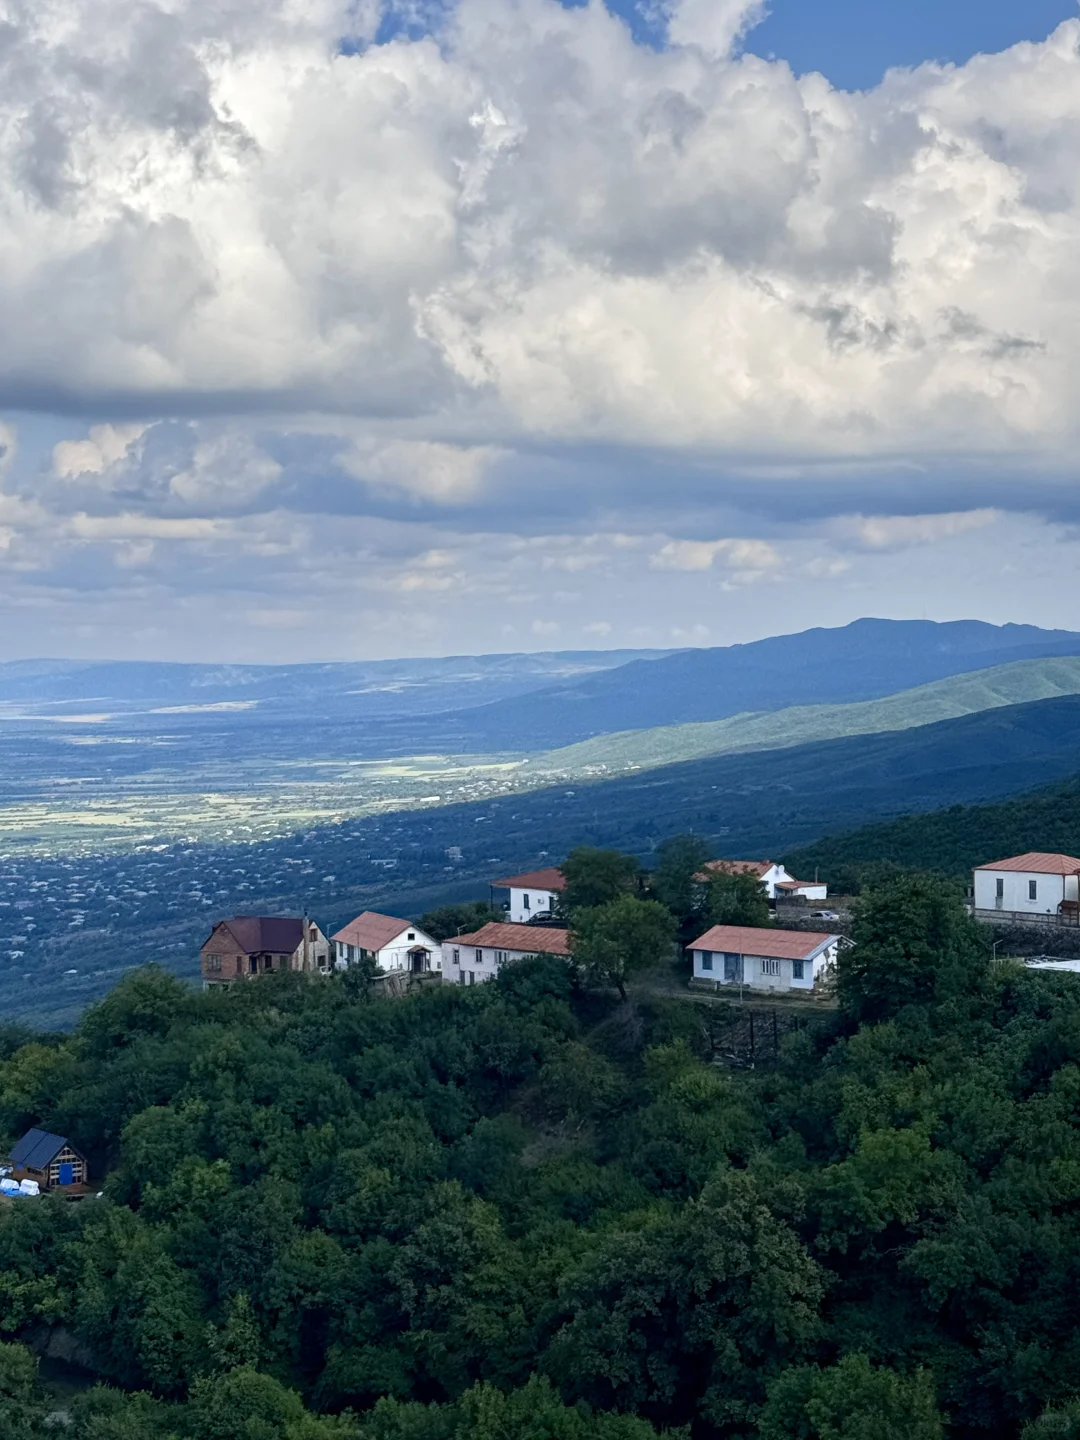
(1033,889)
(412,934)
(313,935)
(770,967)
(457,957)
(472,976)
(706,959)
(1000,888)
(213,962)
(525,901)
(479,957)
(253,964)
(797,969)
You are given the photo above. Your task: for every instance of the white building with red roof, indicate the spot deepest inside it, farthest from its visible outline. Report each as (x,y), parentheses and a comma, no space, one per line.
(393,944)
(762,959)
(1038,885)
(472,959)
(536,893)
(772,876)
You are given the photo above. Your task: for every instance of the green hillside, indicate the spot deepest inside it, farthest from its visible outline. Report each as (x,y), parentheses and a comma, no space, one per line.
(950,699)
(955,840)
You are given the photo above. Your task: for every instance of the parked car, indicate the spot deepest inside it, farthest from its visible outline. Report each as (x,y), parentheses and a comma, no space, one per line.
(824,915)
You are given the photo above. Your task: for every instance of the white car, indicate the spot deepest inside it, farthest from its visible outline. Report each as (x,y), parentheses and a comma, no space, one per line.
(824,915)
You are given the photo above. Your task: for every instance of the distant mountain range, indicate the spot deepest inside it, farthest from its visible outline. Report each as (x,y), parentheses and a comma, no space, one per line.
(362,689)
(959,695)
(862,661)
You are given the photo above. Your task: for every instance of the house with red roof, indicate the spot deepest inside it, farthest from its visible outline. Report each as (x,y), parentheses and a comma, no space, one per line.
(389,941)
(472,959)
(1039,885)
(533,895)
(762,959)
(251,945)
(773,877)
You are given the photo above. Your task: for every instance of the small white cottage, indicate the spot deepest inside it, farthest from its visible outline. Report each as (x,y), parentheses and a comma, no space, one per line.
(533,894)
(774,878)
(393,944)
(472,959)
(1037,885)
(762,959)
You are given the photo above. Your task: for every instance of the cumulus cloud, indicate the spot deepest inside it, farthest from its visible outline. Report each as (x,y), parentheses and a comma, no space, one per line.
(104,446)
(512,272)
(749,557)
(670,247)
(900,532)
(428,470)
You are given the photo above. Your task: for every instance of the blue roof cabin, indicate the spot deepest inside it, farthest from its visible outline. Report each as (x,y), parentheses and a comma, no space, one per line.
(49,1159)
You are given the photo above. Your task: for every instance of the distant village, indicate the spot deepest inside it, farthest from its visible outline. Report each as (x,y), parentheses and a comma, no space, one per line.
(1040,889)
(1037,887)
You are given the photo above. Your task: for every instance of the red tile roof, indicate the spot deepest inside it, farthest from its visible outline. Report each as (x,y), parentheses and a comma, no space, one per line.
(551,879)
(772,944)
(795,884)
(256,934)
(371,931)
(528,939)
(760,868)
(1037,862)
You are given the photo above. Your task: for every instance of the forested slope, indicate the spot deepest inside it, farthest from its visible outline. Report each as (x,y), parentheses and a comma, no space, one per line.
(955,840)
(526,1212)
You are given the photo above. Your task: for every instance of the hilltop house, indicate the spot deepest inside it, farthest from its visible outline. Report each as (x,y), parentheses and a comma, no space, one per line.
(1037,886)
(532,895)
(392,943)
(251,945)
(772,876)
(48,1159)
(472,959)
(762,959)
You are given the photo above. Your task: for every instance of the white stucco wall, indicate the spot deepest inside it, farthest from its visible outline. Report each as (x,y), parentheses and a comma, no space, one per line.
(1050,890)
(709,966)
(481,962)
(395,955)
(540,902)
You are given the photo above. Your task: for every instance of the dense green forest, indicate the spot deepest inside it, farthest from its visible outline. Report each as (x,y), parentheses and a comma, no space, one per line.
(951,841)
(532,1209)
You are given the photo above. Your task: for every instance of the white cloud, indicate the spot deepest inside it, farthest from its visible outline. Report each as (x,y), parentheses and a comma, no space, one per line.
(106,445)
(447,474)
(713,25)
(900,532)
(600,628)
(744,556)
(547,629)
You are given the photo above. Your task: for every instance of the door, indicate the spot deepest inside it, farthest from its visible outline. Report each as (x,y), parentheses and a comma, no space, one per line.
(999,894)
(67,1173)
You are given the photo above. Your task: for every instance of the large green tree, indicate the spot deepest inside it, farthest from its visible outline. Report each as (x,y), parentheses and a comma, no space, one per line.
(675,881)
(596,877)
(611,943)
(735,898)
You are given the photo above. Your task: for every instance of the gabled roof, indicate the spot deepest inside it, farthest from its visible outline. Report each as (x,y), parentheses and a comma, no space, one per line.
(371,931)
(36,1150)
(797,884)
(1037,862)
(760,868)
(550,879)
(529,939)
(772,944)
(255,934)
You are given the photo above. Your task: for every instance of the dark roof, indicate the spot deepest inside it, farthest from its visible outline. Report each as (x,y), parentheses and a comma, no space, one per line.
(255,934)
(550,879)
(36,1149)
(528,939)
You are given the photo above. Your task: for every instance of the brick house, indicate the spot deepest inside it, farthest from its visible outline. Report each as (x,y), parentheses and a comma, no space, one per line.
(250,945)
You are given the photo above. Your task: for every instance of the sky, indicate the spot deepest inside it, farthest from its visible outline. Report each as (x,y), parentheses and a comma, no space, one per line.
(336,329)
